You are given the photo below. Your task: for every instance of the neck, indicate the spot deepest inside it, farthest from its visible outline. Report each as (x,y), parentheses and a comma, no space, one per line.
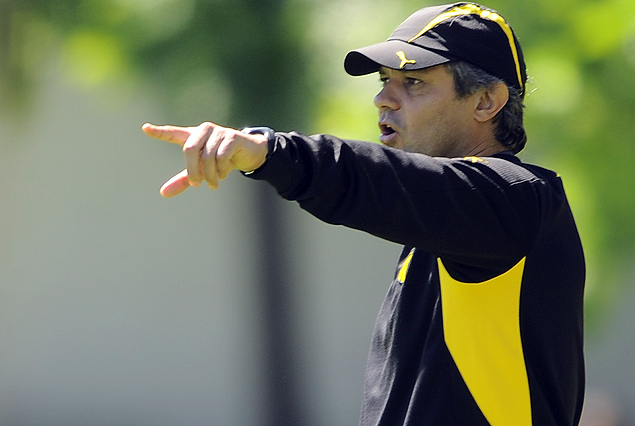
(483,142)
(486,149)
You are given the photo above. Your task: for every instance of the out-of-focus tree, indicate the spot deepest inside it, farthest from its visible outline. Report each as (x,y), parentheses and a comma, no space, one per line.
(228,61)
(580,107)
(581,56)
(279,63)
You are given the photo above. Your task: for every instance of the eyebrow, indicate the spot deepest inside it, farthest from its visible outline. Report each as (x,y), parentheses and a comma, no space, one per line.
(421,73)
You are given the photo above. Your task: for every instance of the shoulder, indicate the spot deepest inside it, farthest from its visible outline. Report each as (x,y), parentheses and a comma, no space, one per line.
(507,168)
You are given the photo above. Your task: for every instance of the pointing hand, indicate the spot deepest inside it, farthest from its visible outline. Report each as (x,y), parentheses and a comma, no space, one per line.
(211,152)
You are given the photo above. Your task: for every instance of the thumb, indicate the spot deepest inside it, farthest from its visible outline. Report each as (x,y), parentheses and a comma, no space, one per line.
(177,184)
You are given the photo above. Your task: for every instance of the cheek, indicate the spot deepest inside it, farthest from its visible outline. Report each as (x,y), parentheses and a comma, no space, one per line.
(432,131)
(427,109)
(427,120)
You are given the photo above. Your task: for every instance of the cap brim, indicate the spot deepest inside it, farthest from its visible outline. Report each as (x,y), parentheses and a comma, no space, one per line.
(369,59)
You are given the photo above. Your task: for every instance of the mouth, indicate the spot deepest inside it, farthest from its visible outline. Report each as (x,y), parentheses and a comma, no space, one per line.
(388,134)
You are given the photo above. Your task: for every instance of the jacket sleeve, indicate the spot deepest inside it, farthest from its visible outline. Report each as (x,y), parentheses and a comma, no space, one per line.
(469,210)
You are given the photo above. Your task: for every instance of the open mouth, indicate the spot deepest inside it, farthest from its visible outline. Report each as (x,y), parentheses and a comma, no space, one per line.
(389,135)
(386,129)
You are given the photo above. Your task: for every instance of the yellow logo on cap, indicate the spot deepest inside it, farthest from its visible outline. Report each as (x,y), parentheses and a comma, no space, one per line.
(401,55)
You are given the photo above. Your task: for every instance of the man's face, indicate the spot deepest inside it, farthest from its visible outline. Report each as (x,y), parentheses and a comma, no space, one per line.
(419,112)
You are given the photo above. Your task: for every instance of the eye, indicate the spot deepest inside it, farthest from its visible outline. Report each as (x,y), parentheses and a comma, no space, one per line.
(383,80)
(411,82)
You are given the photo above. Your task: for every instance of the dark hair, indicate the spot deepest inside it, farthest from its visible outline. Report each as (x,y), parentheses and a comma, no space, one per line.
(509,120)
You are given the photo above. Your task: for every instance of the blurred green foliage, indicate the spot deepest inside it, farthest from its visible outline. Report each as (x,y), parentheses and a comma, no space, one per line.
(202,59)
(278,63)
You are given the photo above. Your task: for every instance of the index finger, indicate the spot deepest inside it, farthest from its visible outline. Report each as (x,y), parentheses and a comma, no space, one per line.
(173,134)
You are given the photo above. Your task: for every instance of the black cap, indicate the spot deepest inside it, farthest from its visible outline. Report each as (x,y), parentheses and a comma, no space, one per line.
(435,35)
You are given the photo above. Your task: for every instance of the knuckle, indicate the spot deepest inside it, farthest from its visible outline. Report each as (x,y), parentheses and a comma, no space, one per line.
(218,132)
(189,148)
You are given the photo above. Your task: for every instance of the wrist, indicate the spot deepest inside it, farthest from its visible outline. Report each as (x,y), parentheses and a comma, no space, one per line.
(269,136)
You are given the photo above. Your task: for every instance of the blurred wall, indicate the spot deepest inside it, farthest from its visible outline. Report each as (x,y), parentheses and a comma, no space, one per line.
(120,307)
(611,363)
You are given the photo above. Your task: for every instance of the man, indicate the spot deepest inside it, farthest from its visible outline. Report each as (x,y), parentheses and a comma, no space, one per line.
(482,324)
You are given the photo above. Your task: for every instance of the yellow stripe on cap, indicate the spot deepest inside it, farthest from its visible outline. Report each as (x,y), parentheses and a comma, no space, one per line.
(472,9)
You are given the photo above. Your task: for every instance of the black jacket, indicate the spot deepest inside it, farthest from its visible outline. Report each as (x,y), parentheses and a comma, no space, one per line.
(482,324)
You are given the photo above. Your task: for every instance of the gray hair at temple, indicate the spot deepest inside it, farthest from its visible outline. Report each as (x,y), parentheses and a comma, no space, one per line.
(509,129)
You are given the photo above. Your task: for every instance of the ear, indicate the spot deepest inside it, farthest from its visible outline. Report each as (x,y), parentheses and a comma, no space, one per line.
(490,101)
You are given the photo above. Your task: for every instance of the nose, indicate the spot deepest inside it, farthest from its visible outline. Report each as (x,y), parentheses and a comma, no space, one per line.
(386,98)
